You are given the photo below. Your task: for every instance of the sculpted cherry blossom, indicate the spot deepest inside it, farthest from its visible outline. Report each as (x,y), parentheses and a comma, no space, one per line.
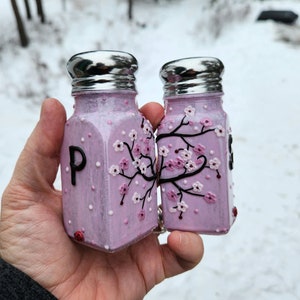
(214,163)
(220,131)
(118,146)
(133,135)
(189,111)
(197,187)
(163,151)
(114,170)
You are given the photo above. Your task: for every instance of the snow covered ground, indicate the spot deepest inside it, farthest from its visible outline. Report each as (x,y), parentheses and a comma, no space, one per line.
(258,259)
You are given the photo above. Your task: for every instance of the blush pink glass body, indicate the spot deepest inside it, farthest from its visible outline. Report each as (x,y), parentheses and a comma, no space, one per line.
(108,171)
(195,161)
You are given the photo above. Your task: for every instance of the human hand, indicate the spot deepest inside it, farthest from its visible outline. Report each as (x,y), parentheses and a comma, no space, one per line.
(32,236)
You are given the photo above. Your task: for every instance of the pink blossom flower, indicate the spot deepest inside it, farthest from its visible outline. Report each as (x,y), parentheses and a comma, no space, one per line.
(147,149)
(141,215)
(124,163)
(171,195)
(199,161)
(123,189)
(199,149)
(170,164)
(179,163)
(136,150)
(210,197)
(206,122)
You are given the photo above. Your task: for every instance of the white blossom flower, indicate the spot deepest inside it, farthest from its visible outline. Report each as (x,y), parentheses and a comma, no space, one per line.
(163,151)
(172,210)
(197,186)
(220,131)
(189,111)
(143,168)
(137,162)
(214,163)
(136,198)
(190,166)
(186,154)
(182,206)
(133,134)
(146,129)
(118,146)
(114,170)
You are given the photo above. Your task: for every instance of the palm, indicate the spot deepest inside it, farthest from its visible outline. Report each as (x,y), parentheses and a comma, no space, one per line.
(32,237)
(78,268)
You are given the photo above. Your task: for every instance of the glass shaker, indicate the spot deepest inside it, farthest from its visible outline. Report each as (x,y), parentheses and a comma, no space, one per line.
(195,156)
(107,157)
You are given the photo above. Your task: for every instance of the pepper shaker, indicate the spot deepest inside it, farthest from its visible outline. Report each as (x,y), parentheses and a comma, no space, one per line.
(107,157)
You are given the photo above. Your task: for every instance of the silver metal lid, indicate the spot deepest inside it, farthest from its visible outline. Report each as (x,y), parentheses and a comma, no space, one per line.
(102,70)
(192,75)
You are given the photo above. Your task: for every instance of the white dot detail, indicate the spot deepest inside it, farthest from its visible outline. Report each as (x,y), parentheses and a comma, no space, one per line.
(110,213)
(98,164)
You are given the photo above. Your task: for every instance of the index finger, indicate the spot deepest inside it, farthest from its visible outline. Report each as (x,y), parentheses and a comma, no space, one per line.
(154,112)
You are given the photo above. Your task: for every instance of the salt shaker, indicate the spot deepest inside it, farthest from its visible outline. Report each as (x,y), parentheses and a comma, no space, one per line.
(195,156)
(107,157)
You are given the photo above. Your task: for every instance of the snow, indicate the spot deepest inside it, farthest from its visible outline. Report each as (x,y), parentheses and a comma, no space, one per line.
(257,259)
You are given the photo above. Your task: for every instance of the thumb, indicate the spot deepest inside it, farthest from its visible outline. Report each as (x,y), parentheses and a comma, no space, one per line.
(37,166)
(182,253)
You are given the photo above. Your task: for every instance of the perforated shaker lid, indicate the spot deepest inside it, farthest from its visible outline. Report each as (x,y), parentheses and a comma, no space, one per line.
(192,75)
(102,70)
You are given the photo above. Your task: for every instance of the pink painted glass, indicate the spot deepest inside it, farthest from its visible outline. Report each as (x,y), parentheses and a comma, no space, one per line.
(107,158)
(195,157)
